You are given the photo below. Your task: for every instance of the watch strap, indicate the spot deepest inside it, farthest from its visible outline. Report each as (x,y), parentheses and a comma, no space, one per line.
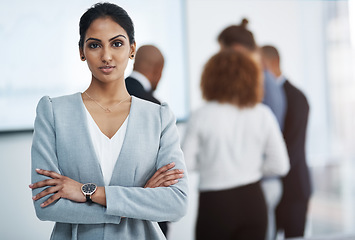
(88,198)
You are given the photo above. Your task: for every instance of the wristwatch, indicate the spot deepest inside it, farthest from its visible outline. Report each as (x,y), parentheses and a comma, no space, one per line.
(88,190)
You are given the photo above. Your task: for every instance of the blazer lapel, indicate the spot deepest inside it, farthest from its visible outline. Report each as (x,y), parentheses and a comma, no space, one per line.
(123,172)
(90,160)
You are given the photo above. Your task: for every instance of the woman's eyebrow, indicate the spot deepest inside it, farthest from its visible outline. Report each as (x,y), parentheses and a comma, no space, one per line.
(119,35)
(96,39)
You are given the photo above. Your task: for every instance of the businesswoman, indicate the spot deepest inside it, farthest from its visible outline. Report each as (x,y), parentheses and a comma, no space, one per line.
(96,154)
(233,141)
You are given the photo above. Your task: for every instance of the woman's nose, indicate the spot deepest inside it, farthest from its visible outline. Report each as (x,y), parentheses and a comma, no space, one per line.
(106,55)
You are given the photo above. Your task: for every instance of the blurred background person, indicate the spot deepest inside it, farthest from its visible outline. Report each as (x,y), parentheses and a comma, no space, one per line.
(147,70)
(232,142)
(239,38)
(292,209)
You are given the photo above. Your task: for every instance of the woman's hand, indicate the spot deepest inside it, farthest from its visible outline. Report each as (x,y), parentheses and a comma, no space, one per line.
(61,186)
(165,177)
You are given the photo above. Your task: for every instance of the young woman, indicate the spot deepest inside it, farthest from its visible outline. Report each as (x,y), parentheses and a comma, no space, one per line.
(233,141)
(239,38)
(100,158)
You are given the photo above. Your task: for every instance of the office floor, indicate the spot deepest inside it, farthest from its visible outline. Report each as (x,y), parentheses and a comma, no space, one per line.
(331,212)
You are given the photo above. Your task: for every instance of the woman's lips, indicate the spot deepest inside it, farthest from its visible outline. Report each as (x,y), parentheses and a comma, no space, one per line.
(107,69)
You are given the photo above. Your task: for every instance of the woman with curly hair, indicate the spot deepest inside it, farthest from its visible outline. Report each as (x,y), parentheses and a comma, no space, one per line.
(233,141)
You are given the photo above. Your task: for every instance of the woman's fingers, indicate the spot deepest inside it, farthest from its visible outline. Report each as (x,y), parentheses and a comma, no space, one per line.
(44,183)
(163,169)
(170,179)
(48,182)
(50,200)
(164,178)
(58,185)
(151,183)
(48,173)
(46,192)
(168,183)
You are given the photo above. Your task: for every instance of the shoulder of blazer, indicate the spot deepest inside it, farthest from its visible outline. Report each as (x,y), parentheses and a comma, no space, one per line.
(66,98)
(146,110)
(293,92)
(289,87)
(135,88)
(146,105)
(68,104)
(297,103)
(133,84)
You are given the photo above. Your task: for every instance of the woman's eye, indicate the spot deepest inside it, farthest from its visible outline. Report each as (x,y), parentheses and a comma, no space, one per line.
(117,44)
(94,45)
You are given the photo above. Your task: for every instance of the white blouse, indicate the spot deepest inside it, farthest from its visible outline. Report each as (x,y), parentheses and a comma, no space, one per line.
(230,147)
(107,150)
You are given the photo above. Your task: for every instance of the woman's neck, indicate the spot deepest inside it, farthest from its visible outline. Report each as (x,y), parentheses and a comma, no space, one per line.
(112,91)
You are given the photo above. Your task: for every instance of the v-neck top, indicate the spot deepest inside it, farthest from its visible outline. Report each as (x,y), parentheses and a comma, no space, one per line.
(107,149)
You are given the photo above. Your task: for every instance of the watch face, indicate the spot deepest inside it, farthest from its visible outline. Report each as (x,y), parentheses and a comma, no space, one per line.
(89,188)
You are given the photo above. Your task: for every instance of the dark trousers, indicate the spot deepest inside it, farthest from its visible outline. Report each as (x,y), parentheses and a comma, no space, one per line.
(291,217)
(238,213)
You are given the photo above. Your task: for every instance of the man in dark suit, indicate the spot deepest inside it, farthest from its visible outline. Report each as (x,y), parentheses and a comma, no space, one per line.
(291,212)
(147,71)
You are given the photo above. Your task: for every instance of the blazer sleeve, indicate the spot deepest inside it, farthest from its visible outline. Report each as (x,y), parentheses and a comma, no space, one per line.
(276,161)
(155,204)
(43,155)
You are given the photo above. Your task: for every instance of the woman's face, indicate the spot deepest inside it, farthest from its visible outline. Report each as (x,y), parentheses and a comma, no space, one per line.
(107,50)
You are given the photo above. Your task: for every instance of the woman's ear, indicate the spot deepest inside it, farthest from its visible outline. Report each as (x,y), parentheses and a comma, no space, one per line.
(132,51)
(82,56)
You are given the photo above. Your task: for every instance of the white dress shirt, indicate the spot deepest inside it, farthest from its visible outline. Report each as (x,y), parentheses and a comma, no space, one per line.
(231,147)
(107,149)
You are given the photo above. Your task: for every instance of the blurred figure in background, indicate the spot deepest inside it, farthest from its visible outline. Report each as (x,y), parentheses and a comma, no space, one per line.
(233,141)
(147,70)
(292,209)
(239,38)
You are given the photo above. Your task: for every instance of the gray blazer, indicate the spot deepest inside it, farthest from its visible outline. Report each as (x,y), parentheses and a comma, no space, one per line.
(62,143)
